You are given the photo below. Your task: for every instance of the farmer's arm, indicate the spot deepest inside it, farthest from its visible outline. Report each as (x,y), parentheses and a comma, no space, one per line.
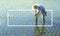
(37,13)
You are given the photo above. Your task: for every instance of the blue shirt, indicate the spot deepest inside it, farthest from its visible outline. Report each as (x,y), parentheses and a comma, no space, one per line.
(42,9)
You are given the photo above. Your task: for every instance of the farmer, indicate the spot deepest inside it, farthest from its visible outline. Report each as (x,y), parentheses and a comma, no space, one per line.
(40,9)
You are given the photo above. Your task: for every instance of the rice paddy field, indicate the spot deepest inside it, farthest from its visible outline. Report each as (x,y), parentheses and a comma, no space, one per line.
(17,18)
